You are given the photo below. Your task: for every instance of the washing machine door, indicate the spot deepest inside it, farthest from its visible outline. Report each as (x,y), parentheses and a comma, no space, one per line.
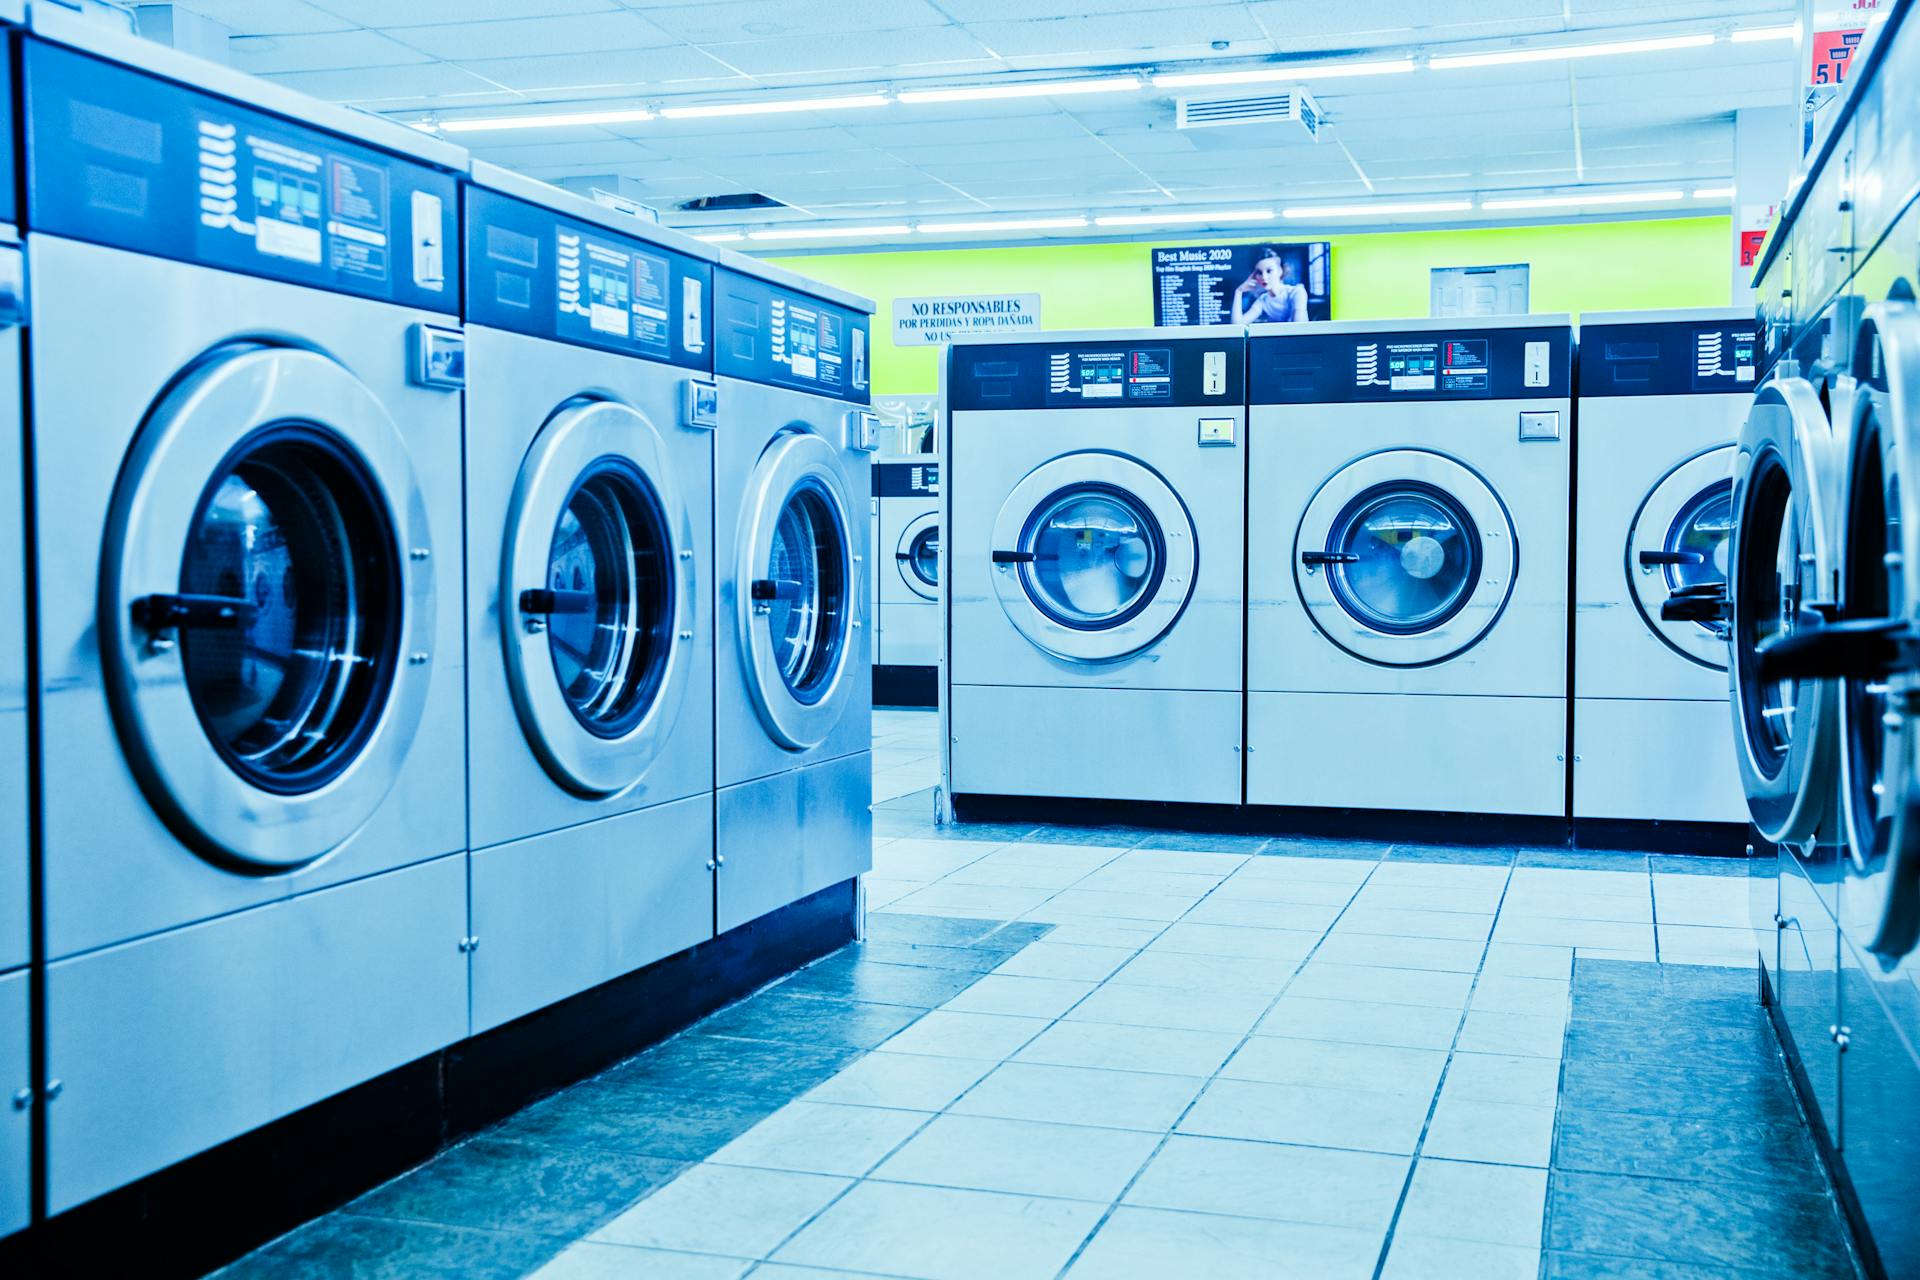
(1880,585)
(1405,558)
(1682,536)
(1783,562)
(1093,556)
(797,582)
(918,555)
(597,596)
(266,606)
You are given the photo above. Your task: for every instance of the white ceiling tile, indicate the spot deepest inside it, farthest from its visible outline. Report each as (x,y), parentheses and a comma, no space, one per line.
(393,88)
(577,33)
(1163,35)
(764,19)
(631,69)
(880,52)
(264,55)
(267,17)
(392,13)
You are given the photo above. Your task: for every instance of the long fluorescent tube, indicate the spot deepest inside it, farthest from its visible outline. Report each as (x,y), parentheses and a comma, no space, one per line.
(828,232)
(1173,217)
(1597,197)
(1291,71)
(719,237)
(773,106)
(1002,224)
(1552,53)
(1021,89)
(1381,207)
(477,124)
(1754,35)
(1713,193)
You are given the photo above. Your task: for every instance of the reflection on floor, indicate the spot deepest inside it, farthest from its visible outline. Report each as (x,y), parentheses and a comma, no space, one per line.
(1116,1053)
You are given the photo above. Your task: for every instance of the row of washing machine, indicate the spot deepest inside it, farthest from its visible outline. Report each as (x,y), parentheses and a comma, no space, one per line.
(905,602)
(434,595)
(1336,566)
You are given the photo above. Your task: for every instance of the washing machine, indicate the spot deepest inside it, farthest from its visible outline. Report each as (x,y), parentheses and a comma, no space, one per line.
(245,362)
(793,728)
(1662,397)
(906,500)
(589,569)
(1096,489)
(1407,538)
(16,949)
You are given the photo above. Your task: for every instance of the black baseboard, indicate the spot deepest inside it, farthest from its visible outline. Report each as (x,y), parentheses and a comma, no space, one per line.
(223,1203)
(905,687)
(1396,826)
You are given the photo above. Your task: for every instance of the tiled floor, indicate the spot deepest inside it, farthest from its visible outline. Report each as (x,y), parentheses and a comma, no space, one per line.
(906,753)
(1106,1053)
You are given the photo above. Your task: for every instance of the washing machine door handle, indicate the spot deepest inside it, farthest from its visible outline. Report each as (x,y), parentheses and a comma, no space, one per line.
(1702,602)
(1311,558)
(170,612)
(1824,648)
(543,601)
(1652,558)
(1012,557)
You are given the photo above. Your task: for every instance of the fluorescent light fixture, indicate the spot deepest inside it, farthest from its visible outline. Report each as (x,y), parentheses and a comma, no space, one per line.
(1003,224)
(1174,217)
(1597,197)
(1713,193)
(719,237)
(1021,89)
(1296,71)
(1552,53)
(829,231)
(1754,35)
(773,106)
(1383,208)
(477,124)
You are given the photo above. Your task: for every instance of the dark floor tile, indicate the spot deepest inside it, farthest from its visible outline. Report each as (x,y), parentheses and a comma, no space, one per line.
(1653,1089)
(1457,855)
(949,931)
(623,1115)
(1711,1224)
(1012,935)
(1583,859)
(1741,1043)
(343,1245)
(1006,832)
(1720,1147)
(1693,865)
(1116,836)
(519,1186)
(1665,981)
(1204,842)
(810,1020)
(1324,847)
(911,986)
(1589,1266)
(966,959)
(697,1063)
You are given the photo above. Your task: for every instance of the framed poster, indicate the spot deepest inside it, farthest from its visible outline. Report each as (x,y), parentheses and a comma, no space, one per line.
(1261,283)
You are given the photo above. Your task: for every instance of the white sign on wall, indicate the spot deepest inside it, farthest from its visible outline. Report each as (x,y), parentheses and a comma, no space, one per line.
(919,322)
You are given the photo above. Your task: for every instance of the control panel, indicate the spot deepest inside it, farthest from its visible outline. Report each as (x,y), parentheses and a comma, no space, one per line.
(784,338)
(1096,375)
(537,271)
(1670,358)
(893,478)
(1468,364)
(121,158)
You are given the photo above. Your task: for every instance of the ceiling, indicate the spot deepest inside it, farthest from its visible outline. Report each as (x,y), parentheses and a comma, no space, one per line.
(1663,118)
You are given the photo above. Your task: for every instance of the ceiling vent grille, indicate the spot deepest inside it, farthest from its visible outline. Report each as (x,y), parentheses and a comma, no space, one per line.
(1288,106)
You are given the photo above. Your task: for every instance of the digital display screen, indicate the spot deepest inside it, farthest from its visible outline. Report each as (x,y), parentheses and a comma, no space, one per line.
(1263,283)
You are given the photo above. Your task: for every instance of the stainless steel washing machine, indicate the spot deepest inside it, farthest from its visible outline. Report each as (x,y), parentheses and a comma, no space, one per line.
(793,697)
(1407,526)
(245,359)
(1095,506)
(1662,397)
(589,466)
(906,570)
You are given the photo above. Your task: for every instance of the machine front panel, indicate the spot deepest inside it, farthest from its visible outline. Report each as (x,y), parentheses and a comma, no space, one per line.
(119,158)
(1670,358)
(1392,368)
(1140,373)
(783,338)
(541,273)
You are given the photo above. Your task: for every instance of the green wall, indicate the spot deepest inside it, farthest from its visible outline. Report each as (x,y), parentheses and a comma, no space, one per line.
(1591,266)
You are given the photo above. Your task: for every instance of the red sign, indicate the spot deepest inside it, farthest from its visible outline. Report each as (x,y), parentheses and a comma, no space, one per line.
(1833,55)
(1750,245)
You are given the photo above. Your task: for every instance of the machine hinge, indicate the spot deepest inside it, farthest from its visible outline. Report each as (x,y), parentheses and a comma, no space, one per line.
(23,1097)
(1842,1037)
(469,944)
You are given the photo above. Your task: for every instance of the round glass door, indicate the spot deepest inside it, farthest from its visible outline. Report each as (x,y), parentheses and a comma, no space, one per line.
(1404,558)
(266,620)
(1682,536)
(796,589)
(918,555)
(597,597)
(1093,557)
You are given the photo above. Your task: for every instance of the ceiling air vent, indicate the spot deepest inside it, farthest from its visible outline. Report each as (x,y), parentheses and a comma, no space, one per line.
(733,203)
(1286,107)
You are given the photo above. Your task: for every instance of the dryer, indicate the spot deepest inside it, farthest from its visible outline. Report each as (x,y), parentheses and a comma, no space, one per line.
(589,469)
(906,498)
(1095,504)
(245,358)
(793,729)
(1662,397)
(1407,526)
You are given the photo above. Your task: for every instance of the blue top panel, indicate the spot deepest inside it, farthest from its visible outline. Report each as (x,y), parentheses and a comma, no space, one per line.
(1670,358)
(1137,373)
(1385,367)
(764,333)
(896,478)
(536,271)
(120,158)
